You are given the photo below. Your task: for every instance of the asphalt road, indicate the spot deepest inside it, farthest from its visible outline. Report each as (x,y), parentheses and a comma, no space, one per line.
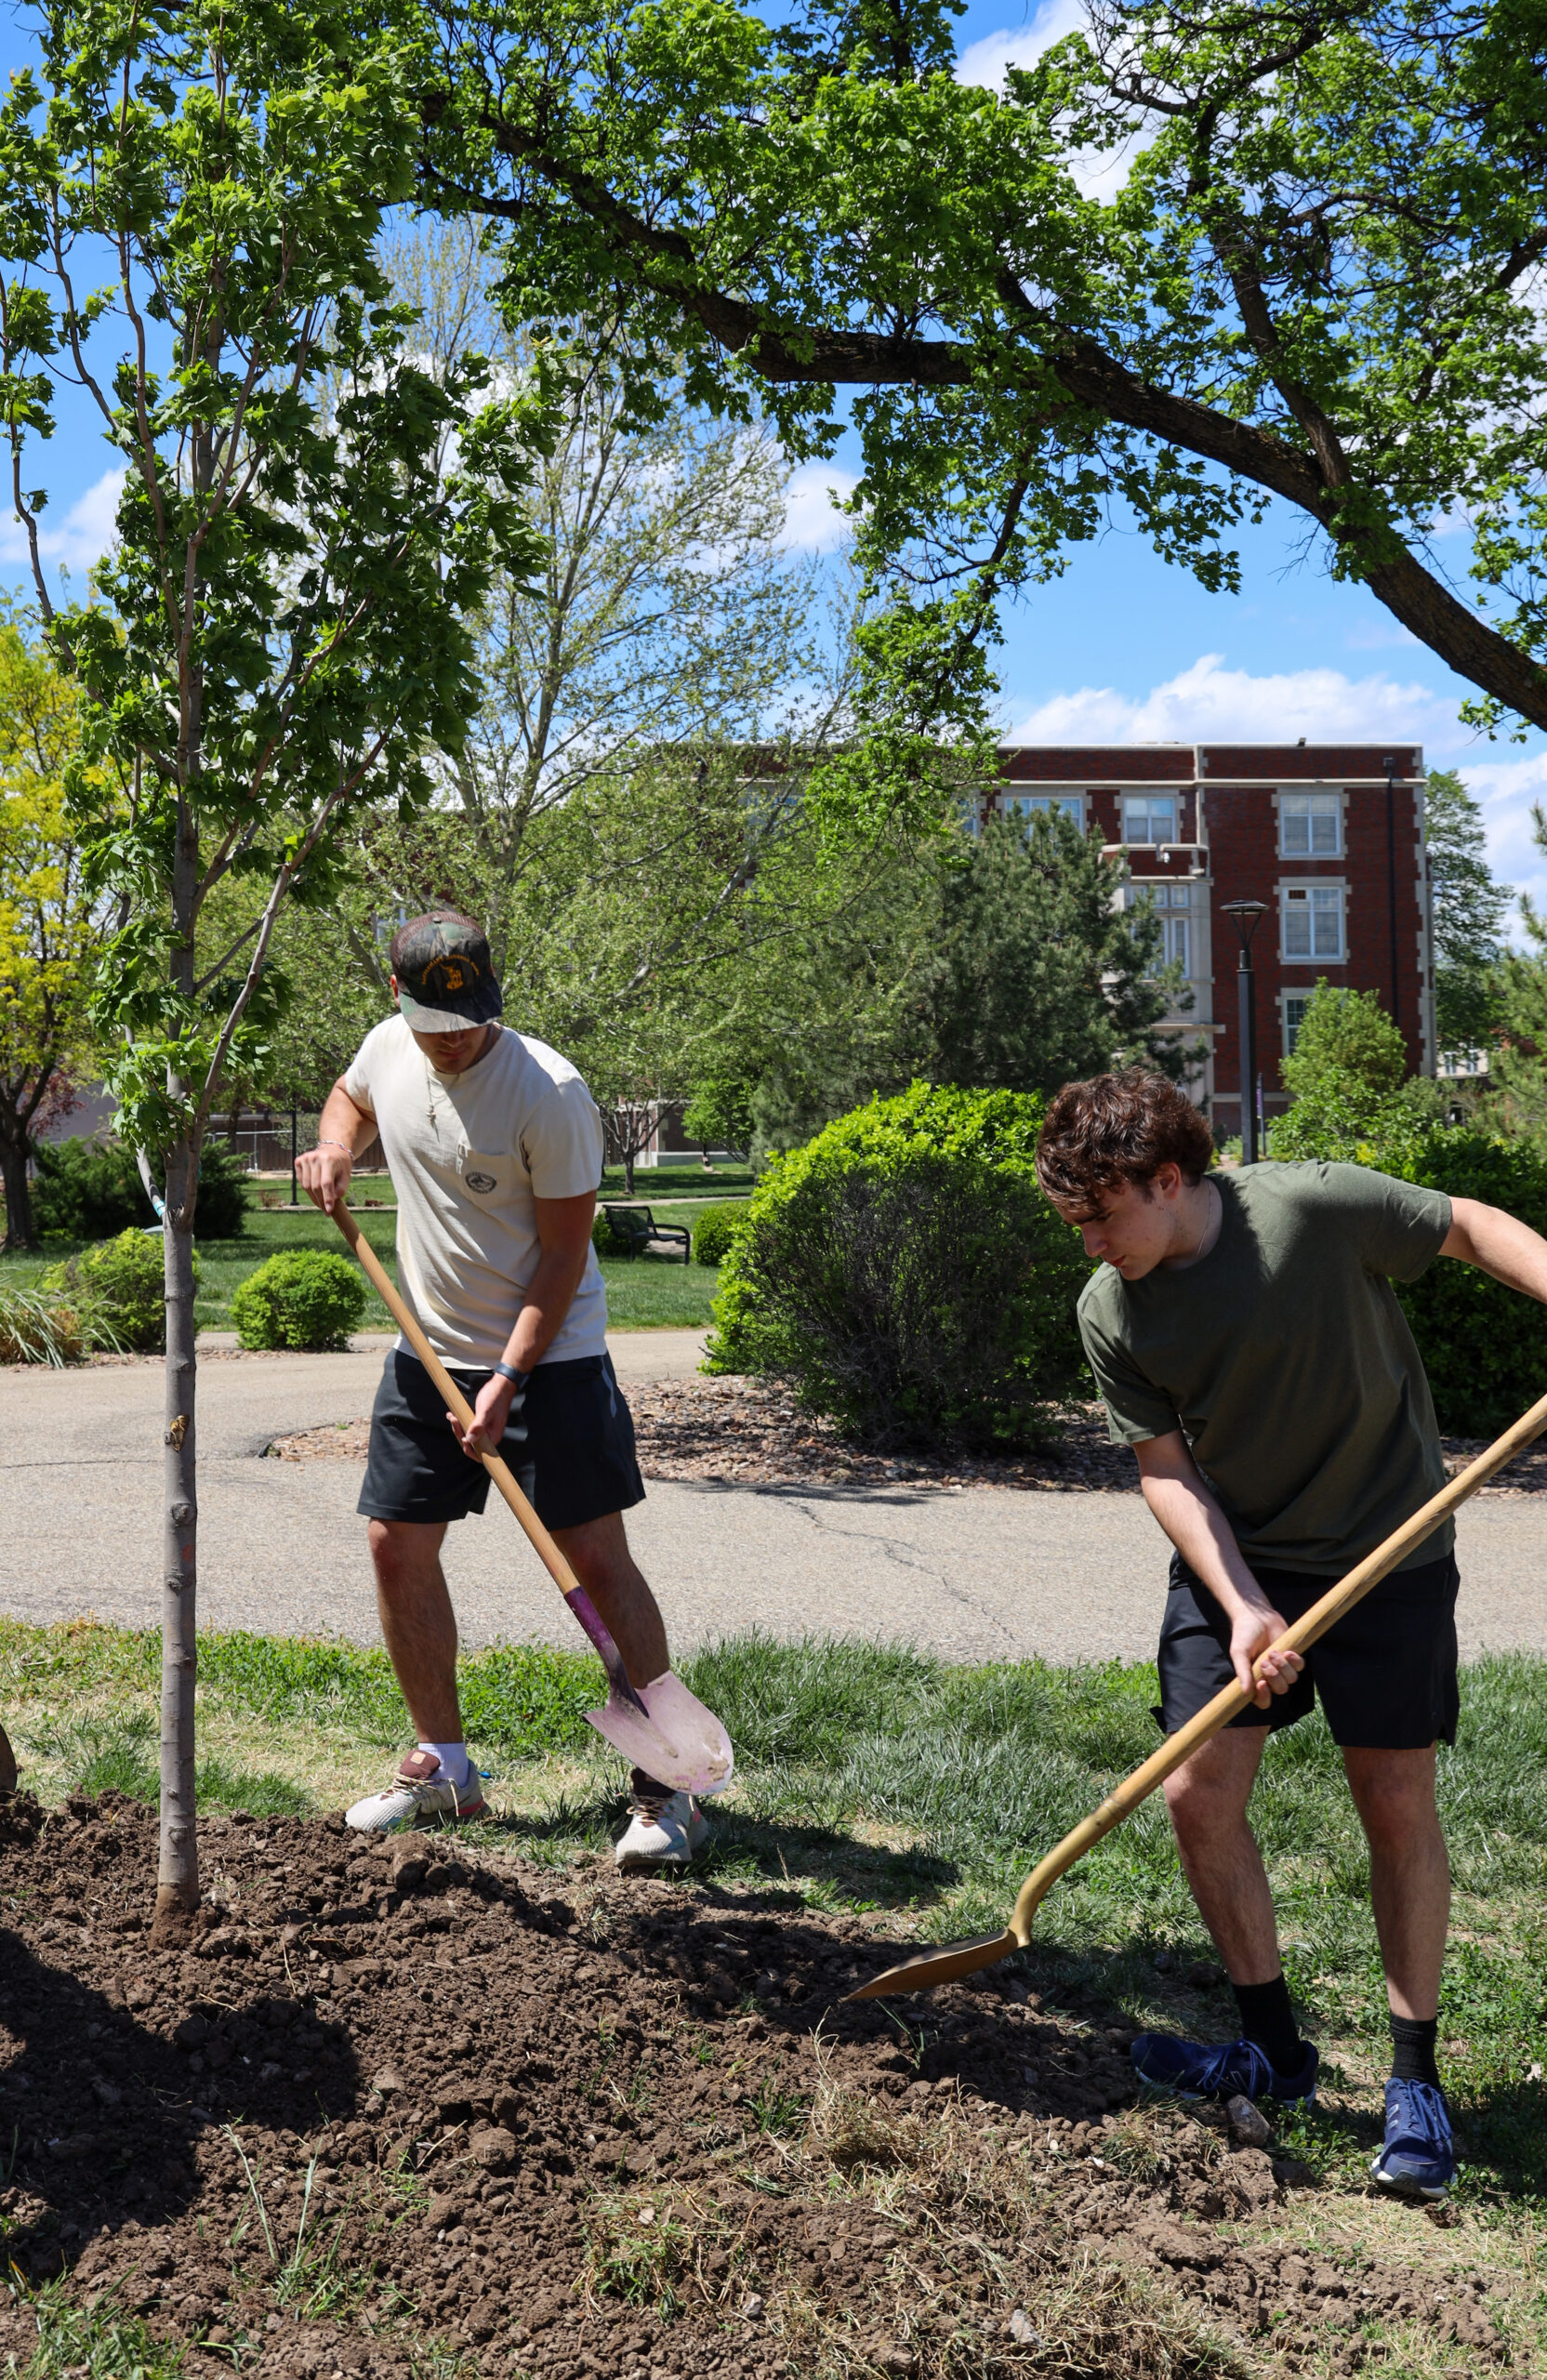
(975,1574)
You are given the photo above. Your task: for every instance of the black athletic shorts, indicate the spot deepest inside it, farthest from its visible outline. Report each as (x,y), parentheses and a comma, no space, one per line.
(1385,1672)
(572,1447)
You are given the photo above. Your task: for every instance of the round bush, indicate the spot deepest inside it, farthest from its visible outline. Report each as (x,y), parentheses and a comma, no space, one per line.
(304,1296)
(905,1272)
(714,1227)
(124,1279)
(1481,1344)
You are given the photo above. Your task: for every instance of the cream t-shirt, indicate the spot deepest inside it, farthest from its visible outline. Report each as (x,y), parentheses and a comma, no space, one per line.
(468,1155)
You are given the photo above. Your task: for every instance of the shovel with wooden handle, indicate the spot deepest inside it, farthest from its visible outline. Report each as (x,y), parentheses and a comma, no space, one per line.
(957,1959)
(660,1727)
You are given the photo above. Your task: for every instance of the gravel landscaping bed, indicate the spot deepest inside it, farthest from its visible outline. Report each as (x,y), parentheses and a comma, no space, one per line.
(750,1433)
(632,2131)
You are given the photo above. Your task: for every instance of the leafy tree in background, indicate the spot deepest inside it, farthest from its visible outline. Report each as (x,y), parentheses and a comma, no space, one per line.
(283,626)
(1469,912)
(1037,978)
(651,701)
(996,961)
(1347,1075)
(1318,281)
(1516,1103)
(51,916)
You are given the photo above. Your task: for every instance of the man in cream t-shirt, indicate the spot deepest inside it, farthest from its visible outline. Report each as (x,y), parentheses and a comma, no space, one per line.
(494,1147)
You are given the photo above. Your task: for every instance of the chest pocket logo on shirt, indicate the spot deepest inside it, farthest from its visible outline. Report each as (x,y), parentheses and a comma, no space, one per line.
(484,1176)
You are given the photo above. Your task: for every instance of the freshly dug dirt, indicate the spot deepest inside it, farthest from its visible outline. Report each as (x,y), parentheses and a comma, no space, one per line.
(634,2132)
(750,1433)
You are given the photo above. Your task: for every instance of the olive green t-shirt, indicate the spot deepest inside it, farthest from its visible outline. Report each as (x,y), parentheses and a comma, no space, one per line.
(1285,1357)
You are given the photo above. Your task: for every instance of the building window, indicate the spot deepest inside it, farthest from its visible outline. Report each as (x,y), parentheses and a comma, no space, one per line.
(1312,922)
(1295,1006)
(1040,806)
(1310,825)
(1149,818)
(1176,947)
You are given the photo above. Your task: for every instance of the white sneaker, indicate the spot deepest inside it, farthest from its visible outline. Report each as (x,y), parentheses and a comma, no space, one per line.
(420,1790)
(665,1831)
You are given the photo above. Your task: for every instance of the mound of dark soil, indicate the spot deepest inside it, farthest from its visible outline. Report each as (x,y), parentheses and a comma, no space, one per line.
(631,2133)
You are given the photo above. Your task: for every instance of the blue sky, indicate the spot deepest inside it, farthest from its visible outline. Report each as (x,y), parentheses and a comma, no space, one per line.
(1123,646)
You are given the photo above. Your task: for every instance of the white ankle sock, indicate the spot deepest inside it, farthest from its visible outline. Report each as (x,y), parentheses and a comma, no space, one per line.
(453,1759)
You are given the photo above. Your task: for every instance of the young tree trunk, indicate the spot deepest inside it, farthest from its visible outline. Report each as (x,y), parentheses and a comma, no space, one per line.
(178,1875)
(18,1196)
(628,1168)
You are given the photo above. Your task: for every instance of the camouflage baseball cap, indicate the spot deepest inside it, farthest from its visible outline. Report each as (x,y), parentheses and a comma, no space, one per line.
(446,980)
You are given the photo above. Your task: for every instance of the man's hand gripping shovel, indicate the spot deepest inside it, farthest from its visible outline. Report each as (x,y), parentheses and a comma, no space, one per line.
(957,1959)
(660,1727)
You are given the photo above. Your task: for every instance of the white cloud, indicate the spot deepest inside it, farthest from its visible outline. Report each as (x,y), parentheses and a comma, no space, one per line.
(1507,790)
(1207,700)
(81,539)
(985,61)
(1379,635)
(812,518)
(1098,173)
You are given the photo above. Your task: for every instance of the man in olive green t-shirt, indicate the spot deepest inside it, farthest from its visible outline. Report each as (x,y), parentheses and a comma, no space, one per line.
(1247,1343)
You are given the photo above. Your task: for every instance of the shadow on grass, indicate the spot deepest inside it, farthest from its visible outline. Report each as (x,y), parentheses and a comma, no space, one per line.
(741,1848)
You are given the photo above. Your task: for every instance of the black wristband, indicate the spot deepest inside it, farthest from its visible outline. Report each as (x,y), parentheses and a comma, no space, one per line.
(509,1372)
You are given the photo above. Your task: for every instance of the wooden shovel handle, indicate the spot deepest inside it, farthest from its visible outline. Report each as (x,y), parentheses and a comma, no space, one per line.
(1231,1699)
(498,1468)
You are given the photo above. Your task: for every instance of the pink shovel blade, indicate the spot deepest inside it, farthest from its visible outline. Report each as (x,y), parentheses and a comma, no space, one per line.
(679,1743)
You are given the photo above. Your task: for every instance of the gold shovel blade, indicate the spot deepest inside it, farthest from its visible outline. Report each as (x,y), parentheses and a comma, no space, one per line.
(945,1965)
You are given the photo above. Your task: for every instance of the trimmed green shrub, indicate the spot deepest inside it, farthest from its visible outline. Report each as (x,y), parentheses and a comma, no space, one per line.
(88,1190)
(92,1190)
(904,1272)
(1482,1345)
(125,1280)
(221,1212)
(714,1227)
(304,1296)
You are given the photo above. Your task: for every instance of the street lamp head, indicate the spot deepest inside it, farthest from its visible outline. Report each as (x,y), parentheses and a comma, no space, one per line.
(1245,916)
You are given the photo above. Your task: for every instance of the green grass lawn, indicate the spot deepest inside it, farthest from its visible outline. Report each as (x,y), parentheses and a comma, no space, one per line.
(643,1292)
(888,1782)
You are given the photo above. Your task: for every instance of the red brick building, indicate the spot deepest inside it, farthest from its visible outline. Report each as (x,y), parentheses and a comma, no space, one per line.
(1329,836)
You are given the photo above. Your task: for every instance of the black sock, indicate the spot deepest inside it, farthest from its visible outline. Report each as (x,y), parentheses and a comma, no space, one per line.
(1413,2040)
(1267,2019)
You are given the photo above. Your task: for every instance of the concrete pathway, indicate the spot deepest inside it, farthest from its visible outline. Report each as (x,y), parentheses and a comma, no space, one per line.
(976,1574)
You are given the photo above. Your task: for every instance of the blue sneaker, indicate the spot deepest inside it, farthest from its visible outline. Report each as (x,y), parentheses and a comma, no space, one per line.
(1418,2159)
(1195,2071)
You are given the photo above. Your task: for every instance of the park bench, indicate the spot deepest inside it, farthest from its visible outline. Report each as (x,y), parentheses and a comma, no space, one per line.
(634,1228)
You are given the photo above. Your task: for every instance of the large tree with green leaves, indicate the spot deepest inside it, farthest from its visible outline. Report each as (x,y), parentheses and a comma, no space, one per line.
(994,957)
(50,917)
(1318,281)
(191,199)
(1470,907)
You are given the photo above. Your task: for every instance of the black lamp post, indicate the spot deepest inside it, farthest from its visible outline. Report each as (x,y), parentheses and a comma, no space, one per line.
(1245,916)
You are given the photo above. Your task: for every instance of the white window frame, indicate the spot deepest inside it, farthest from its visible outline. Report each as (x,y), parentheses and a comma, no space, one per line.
(1029,805)
(1321,804)
(1304,999)
(1305,897)
(1147,841)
